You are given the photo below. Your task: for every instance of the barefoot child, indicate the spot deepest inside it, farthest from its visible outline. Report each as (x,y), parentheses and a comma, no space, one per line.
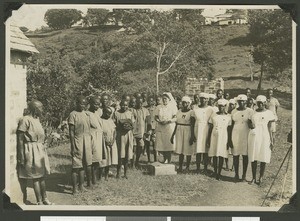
(80,138)
(140,114)
(96,136)
(151,124)
(124,137)
(109,135)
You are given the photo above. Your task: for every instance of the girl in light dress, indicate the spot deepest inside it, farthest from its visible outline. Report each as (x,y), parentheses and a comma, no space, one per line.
(96,136)
(124,120)
(218,137)
(109,136)
(183,134)
(260,140)
(165,117)
(200,127)
(240,131)
(32,159)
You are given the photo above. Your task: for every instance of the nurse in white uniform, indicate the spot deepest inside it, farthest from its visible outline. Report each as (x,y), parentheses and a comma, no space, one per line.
(240,123)
(260,140)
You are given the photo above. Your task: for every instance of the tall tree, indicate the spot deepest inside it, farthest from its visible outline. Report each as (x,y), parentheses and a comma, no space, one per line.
(270,32)
(62,18)
(166,40)
(96,16)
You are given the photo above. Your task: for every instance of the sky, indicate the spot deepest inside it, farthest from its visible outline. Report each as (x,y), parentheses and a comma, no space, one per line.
(32,16)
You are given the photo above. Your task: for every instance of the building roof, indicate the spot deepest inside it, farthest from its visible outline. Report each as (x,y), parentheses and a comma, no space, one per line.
(223,16)
(19,42)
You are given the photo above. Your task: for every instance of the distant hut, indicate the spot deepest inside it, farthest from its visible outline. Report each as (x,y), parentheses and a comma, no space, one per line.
(21,48)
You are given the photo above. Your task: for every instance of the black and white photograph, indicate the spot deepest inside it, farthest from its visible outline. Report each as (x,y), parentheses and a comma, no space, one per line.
(150,107)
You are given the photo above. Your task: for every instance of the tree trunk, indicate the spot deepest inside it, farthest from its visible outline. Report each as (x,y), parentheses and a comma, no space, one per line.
(251,72)
(157,87)
(261,75)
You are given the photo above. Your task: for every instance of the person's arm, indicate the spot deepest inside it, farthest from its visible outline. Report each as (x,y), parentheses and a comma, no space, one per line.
(173,135)
(20,148)
(210,128)
(193,138)
(229,130)
(72,137)
(271,137)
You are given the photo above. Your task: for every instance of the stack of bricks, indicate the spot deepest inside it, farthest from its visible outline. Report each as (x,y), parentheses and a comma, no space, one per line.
(196,86)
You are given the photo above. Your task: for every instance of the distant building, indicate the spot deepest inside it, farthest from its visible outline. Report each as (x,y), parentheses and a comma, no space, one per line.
(21,48)
(226,19)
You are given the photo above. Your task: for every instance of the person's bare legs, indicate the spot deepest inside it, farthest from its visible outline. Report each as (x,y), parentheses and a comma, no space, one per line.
(236,167)
(95,170)
(221,161)
(261,172)
(205,161)
(188,162)
(37,191)
(245,166)
(181,158)
(253,167)
(23,185)
(215,164)
(81,179)
(89,175)
(75,173)
(198,161)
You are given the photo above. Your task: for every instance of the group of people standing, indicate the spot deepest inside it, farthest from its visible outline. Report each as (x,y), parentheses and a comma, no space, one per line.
(103,134)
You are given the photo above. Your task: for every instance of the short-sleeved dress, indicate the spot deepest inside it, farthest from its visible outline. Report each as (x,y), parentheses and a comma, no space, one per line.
(202,116)
(272,104)
(97,141)
(82,153)
(151,118)
(36,158)
(183,133)
(164,132)
(139,127)
(124,140)
(259,138)
(110,153)
(240,131)
(219,135)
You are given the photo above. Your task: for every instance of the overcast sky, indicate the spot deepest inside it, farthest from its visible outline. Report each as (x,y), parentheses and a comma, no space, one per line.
(32,16)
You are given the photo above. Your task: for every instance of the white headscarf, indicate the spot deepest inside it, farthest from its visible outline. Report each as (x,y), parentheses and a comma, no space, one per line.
(172,102)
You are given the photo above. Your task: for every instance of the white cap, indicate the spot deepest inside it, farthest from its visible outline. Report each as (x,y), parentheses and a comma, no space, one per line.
(261,98)
(222,102)
(242,97)
(232,101)
(186,99)
(213,96)
(205,95)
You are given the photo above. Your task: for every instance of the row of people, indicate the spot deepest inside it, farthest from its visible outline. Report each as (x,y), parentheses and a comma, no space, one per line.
(109,135)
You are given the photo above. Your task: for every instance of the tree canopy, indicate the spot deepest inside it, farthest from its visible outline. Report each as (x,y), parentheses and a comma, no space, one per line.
(270,32)
(62,18)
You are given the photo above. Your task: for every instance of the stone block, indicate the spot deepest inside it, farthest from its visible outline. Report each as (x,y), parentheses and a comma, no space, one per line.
(158,169)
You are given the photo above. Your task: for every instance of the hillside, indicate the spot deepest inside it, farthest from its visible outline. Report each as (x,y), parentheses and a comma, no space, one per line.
(228,45)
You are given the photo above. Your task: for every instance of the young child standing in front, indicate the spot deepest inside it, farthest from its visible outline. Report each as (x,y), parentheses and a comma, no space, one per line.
(81,148)
(124,137)
(109,135)
(139,128)
(96,136)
